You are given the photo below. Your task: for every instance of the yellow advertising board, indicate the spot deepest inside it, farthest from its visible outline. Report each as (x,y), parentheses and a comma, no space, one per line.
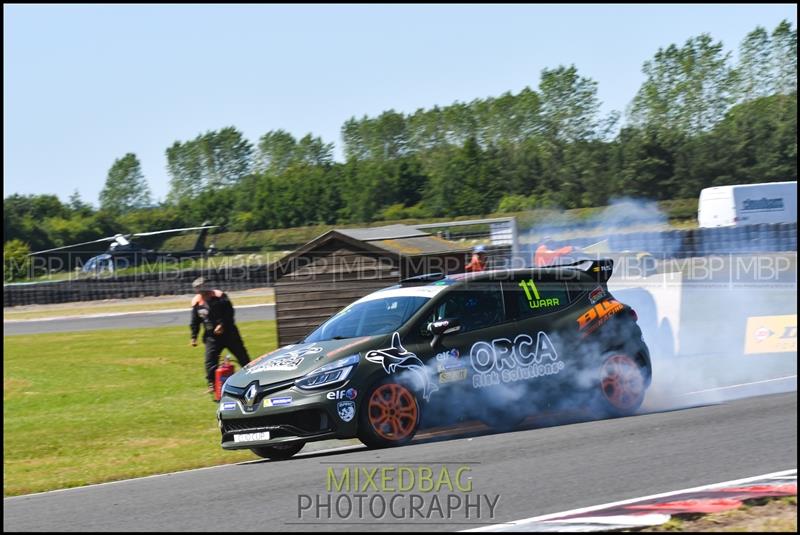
(771,334)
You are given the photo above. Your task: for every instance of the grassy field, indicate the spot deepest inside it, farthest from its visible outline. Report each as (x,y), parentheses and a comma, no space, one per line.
(85,408)
(249,297)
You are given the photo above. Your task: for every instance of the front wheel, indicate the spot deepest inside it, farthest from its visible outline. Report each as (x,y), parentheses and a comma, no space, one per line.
(279,452)
(621,385)
(389,416)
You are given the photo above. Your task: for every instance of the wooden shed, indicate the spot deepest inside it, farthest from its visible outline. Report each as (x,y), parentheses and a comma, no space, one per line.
(342,265)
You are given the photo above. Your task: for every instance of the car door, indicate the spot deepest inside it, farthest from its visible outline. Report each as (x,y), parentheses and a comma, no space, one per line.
(537,305)
(480,310)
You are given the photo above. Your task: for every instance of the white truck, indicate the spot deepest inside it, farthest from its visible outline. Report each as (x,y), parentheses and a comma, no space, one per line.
(748,204)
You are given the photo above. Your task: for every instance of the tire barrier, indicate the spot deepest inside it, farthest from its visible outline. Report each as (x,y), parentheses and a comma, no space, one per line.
(139,285)
(762,238)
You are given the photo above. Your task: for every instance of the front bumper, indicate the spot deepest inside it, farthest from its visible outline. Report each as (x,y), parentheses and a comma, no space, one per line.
(294,426)
(308,416)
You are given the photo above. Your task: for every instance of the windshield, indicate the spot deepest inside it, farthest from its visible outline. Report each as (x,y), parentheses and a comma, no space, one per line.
(367,318)
(97,263)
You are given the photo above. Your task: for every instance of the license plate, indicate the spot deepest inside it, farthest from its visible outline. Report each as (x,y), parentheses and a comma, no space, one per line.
(251,437)
(452,376)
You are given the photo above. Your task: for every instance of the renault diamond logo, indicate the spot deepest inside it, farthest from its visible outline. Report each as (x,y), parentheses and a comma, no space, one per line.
(250,395)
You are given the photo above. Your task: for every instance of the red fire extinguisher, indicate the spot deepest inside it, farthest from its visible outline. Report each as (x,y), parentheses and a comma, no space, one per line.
(224,371)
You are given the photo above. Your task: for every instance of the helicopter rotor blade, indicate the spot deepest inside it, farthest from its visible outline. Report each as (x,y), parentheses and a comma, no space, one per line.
(173,230)
(110,238)
(121,238)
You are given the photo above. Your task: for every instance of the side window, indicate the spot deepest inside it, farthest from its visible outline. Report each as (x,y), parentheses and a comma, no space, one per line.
(528,297)
(476,306)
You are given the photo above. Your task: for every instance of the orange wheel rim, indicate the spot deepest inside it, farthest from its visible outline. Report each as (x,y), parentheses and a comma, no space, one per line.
(622,382)
(393,412)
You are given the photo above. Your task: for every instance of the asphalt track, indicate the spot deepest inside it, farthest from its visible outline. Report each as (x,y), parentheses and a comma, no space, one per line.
(167,318)
(535,472)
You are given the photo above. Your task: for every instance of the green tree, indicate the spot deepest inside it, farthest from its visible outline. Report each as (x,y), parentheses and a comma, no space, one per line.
(23,216)
(125,188)
(755,142)
(589,165)
(384,137)
(163,216)
(186,169)
(16,261)
(688,88)
(509,118)
(427,130)
(755,73)
(360,187)
(514,203)
(648,160)
(462,181)
(212,205)
(355,146)
(784,58)
(63,231)
(569,105)
(211,161)
(276,151)
(228,157)
(312,150)
(77,206)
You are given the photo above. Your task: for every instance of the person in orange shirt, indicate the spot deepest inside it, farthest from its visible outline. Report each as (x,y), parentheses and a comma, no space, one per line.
(478,261)
(545,255)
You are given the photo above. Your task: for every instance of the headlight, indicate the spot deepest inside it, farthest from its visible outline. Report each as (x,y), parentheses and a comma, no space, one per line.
(232,390)
(335,372)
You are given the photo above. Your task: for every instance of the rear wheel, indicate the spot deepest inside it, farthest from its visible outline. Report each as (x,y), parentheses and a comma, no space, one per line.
(621,386)
(389,416)
(278,452)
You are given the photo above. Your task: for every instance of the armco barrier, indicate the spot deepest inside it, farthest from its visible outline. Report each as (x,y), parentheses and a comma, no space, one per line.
(666,244)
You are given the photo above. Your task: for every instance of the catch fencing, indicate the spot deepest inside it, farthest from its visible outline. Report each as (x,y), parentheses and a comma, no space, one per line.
(762,238)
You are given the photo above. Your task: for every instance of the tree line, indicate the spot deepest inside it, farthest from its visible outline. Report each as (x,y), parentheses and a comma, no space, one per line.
(698,120)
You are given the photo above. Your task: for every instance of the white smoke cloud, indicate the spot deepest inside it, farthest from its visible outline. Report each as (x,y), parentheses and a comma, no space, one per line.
(693,315)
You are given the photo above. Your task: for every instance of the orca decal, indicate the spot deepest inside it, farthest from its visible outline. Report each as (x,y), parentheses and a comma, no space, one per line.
(397,358)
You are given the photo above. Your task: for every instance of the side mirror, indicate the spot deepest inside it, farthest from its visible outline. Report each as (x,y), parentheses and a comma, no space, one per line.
(442,327)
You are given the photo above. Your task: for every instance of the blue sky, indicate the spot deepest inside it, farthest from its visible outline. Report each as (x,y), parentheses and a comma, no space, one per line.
(85,84)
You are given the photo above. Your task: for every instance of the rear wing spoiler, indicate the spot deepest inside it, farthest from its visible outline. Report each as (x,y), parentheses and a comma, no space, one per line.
(599,269)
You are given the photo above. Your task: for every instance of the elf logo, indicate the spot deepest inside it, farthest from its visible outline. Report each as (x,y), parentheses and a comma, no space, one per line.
(350,393)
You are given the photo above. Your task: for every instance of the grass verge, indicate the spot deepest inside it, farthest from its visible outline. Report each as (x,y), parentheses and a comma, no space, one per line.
(84,408)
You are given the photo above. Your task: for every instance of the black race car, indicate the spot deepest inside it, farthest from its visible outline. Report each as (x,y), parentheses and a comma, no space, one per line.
(496,345)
